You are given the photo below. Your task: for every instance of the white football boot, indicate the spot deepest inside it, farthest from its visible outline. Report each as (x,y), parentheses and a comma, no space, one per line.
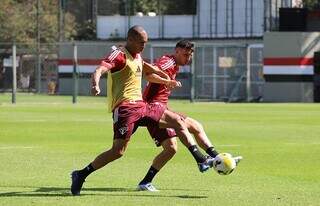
(147,187)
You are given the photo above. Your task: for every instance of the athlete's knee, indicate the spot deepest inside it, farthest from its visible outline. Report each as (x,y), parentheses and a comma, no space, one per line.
(195,129)
(118,153)
(179,124)
(119,148)
(193,126)
(172,150)
(171,146)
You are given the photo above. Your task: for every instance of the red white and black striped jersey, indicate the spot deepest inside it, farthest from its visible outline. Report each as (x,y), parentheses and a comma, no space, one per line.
(159,92)
(117,58)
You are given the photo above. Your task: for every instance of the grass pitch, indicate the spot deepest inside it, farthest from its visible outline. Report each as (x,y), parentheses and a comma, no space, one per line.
(44,138)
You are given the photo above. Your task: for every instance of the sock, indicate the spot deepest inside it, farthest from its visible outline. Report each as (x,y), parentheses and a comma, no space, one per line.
(149,176)
(212,152)
(86,171)
(198,156)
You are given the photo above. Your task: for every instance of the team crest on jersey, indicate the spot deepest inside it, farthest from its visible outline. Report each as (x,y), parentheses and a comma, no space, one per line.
(123,130)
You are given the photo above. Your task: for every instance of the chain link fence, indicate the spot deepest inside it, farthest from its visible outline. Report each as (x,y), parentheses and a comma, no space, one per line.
(218,72)
(28,77)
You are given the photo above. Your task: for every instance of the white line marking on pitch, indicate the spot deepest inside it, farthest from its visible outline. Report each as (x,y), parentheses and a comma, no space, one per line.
(29,120)
(16,147)
(301,144)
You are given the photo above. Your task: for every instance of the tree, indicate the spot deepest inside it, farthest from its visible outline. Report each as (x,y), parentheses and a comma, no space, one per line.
(82,10)
(311,4)
(19,21)
(147,6)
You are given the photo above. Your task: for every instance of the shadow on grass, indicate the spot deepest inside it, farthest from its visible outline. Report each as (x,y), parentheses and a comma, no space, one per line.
(110,189)
(65,192)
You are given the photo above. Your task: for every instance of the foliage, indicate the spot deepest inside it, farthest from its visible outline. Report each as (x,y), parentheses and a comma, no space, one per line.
(311,4)
(84,17)
(147,6)
(19,21)
(85,31)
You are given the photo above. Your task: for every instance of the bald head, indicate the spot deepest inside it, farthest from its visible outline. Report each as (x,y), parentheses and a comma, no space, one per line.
(137,38)
(136,31)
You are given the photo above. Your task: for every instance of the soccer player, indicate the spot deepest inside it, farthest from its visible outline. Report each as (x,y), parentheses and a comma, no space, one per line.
(159,94)
(125,68)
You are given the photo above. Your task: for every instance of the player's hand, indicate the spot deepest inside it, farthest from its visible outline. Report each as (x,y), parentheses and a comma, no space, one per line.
(173,84)
(95,90)
(178,83)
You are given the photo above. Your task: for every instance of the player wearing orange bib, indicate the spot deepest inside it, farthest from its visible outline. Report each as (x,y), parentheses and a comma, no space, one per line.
(125,68)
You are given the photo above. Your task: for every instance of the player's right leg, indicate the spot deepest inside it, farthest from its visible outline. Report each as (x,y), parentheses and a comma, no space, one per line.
(78,176)
(200,136)
(118,148)
(170,119)
(170,148)
(202,139)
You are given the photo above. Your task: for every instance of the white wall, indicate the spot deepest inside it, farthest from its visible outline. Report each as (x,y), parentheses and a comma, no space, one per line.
(237,24)
(109,24)
(174,26)
(258,15)
(151,24)
(240,19)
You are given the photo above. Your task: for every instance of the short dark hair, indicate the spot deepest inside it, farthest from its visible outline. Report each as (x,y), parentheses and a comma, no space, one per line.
(185,44)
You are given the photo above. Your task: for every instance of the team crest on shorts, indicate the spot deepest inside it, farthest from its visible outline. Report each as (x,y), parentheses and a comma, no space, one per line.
(123,130)
(156,141)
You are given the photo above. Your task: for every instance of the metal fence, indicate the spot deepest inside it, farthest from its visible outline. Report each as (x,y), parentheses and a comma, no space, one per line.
(34,73)
(229,73)
(218,72)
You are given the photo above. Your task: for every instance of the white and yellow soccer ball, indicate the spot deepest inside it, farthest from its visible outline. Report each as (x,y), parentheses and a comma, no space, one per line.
(224,163)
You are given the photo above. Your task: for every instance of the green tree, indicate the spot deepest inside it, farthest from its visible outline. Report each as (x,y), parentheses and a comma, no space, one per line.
(311,4)
(18,21)
(147,6)
(82,10)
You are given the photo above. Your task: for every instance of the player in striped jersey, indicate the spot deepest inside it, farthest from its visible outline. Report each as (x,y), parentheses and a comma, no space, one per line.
(159,94)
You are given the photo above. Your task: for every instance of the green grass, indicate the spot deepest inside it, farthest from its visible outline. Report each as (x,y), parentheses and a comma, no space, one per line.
(43,138)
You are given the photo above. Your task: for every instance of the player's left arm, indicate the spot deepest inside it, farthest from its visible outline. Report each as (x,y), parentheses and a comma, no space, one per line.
(155,75)
(151,69)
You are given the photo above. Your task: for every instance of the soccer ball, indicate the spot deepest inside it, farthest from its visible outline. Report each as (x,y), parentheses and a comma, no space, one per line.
(224,164)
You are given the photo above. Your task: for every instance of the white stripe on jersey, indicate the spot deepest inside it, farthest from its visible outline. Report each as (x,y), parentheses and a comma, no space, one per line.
(167,65)
(113,55)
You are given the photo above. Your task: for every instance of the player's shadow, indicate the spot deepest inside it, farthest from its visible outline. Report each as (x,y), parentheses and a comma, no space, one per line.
(110,189)
(65,192)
